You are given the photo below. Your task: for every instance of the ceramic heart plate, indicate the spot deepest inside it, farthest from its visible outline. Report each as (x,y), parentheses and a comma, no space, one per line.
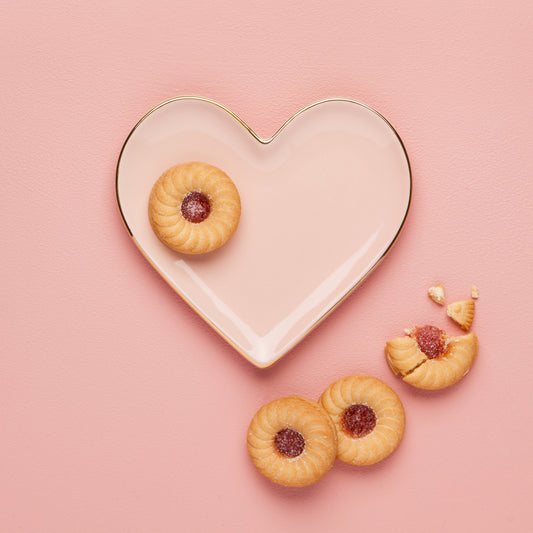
(323,200)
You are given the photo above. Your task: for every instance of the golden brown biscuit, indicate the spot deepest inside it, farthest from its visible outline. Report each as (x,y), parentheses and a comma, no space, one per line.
(462,312)
(194,208)
(292,441)
(369,418)
(427,358)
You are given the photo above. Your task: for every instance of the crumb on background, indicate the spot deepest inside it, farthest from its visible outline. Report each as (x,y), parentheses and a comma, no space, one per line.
(474,292)
(436,293)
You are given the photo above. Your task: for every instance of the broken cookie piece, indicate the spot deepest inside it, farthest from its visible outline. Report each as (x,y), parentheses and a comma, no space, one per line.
(428,358)
(462,312)
(436,293)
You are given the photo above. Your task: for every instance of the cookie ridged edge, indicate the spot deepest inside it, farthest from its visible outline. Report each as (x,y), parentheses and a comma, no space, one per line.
(312,422)
(390,418)
(164,208)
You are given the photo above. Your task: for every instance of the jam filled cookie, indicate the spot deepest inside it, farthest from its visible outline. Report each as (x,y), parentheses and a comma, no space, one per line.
(427,358)
(292,441)
(369,418)
(194,208)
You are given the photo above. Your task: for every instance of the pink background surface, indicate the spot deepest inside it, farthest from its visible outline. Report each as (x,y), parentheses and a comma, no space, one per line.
(120,409)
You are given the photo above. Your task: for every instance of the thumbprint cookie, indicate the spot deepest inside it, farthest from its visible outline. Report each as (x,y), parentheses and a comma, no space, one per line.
(427,358)
(292,441)
(369,418)
(194,208)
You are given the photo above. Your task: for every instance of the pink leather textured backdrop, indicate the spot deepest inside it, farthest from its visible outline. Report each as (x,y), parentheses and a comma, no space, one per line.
(120,409)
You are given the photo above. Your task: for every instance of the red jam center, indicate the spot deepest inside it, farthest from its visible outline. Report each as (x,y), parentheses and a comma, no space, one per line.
(358,420)
(289,443)
(195,207)
(430,340)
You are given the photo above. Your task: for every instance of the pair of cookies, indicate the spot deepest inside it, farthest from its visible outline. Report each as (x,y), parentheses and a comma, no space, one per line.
(194,208)
(294,441)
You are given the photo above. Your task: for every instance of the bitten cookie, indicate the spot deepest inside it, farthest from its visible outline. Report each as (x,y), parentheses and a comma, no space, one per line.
(369,418)
(427,358)
(292,441)
(194,208)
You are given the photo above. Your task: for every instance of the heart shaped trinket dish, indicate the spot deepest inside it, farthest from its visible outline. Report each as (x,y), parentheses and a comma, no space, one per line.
(323,200)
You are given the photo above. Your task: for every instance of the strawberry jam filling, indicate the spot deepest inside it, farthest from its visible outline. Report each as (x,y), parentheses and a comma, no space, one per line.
(195,207)
(358,420)
(430,340)
(289,442)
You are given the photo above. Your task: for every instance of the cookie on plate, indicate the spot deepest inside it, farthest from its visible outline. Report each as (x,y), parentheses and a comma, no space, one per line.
(194,208)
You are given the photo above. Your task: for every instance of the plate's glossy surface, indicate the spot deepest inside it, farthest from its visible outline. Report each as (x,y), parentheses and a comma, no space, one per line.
(322,202)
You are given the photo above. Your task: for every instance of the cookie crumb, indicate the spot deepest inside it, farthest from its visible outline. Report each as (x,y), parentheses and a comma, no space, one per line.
(474,292)
(436,293)
(462,313)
